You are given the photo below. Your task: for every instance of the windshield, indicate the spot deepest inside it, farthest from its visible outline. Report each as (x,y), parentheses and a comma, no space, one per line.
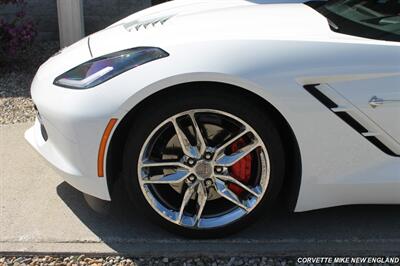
(377,19)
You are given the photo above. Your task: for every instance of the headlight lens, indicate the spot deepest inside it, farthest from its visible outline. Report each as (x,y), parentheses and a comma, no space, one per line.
(99,70)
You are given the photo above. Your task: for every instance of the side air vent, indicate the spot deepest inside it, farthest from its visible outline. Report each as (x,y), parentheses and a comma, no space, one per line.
(348,119)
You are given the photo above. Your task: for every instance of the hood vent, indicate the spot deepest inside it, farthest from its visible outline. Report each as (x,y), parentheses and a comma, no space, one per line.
(141,25)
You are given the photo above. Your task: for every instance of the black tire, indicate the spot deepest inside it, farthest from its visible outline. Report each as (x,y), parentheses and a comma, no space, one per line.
(161,107)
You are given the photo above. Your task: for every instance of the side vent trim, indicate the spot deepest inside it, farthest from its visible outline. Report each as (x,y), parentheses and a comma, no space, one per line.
(348,119)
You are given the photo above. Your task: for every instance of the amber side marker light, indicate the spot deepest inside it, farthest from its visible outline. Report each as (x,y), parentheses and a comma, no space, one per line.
(103,146)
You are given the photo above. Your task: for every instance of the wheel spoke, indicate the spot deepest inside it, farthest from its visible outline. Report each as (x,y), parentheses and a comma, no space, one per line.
(187,147)
(229,160)
(201,144)
(151,164)
(225,192)
(201,201)
(225,145)
(233,180)
(186,198)
(175,178)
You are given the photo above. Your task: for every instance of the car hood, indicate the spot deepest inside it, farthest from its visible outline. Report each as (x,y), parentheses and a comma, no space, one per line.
(180,22)
(187,7)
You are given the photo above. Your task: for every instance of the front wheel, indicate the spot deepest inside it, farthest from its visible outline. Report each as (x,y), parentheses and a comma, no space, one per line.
(203,168)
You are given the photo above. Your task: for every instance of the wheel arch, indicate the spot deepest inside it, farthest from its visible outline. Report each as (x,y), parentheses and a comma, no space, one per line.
(291,187)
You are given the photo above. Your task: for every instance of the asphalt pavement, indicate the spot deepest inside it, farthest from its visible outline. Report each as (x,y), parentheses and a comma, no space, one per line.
(40,213)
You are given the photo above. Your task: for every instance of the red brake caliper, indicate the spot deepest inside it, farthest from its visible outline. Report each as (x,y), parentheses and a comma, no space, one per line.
(240,170)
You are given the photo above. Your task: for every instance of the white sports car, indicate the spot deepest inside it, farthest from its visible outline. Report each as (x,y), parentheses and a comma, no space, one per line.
(209,110)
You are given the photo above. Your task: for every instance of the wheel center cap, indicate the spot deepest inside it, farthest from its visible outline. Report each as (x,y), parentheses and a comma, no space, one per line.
(203,169)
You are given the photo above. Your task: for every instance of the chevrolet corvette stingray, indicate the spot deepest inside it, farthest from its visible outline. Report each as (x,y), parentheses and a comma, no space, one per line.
(211,112)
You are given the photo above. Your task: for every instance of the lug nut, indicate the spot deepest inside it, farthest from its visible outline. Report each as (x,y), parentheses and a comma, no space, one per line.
(191,161)
(219,169)
(208,156)
(209,182)
(192,178)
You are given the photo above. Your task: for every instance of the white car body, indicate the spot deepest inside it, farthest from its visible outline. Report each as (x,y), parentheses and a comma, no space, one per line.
(272,50)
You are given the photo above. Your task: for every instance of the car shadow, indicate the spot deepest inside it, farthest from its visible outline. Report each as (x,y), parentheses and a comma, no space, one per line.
(359,229)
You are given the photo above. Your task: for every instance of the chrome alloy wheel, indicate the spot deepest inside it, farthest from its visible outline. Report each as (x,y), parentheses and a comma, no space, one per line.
(203,169)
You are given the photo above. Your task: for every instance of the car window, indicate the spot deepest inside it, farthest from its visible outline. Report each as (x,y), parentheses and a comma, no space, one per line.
(376,19)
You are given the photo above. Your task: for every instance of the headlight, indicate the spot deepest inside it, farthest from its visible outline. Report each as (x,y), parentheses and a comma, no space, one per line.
(99,70)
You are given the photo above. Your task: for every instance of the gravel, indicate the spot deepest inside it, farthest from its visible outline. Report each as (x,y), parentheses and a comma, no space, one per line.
(122,261)
(16,74)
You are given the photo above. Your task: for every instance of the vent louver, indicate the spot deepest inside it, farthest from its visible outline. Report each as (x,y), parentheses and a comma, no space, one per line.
(140,25)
